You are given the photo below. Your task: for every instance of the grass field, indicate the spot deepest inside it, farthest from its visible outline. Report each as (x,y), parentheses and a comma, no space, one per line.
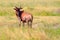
(46,22)
(36,7)
(44,28)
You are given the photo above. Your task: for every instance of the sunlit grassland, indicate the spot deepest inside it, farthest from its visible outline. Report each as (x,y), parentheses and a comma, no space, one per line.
(44,28)
(36,7)
(46,20)
(42,11)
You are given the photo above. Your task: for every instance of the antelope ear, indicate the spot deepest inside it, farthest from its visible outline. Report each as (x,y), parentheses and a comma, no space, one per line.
(21,7)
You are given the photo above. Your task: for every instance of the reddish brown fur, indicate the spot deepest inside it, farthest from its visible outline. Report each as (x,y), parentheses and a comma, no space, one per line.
(23,16)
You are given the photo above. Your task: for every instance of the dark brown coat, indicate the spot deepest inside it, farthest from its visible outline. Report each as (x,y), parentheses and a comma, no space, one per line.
(23,16)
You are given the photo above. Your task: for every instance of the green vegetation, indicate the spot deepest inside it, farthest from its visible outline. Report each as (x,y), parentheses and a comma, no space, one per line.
(36,7)
(44,28)
(46,23)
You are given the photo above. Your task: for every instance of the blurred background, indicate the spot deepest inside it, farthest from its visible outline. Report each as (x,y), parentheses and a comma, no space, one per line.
(36,7)
(46,20)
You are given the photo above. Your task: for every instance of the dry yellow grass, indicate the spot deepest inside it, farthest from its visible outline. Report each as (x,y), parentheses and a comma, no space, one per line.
(44,27)
(9,29)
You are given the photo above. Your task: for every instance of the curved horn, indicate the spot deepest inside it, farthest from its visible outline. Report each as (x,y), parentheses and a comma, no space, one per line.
(20,7)
(16,7)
